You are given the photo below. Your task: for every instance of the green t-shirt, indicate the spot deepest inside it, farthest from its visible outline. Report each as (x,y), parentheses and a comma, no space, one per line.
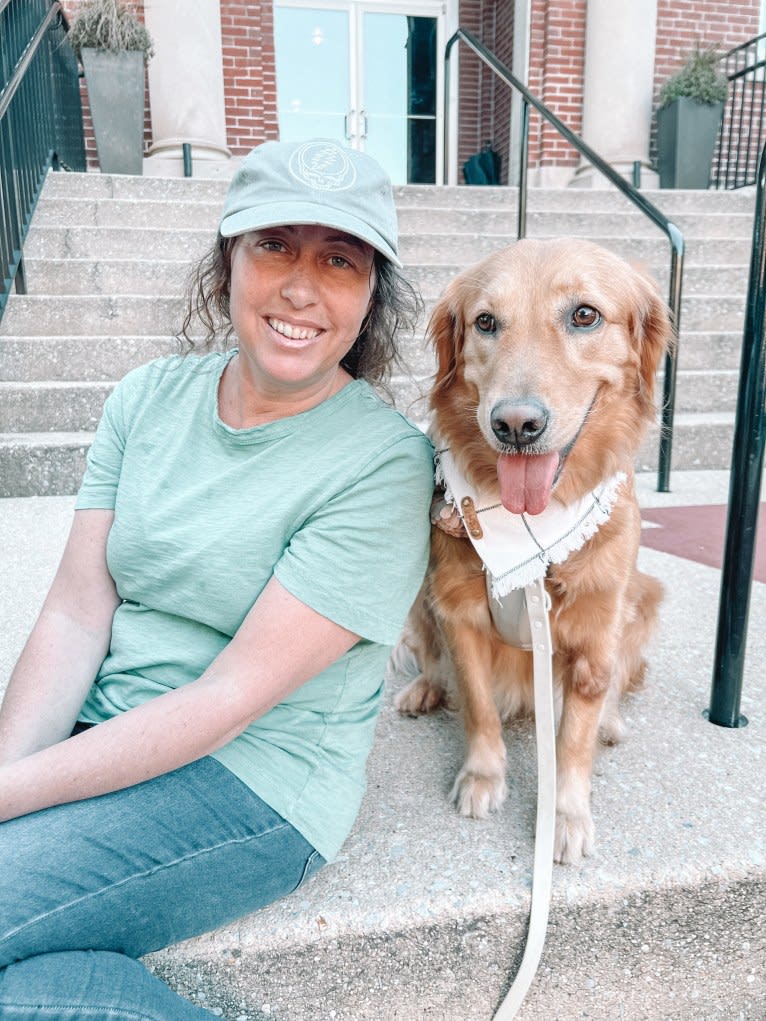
(333,501)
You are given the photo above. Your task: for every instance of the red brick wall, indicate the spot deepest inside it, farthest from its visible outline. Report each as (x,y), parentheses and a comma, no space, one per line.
(249,73)
(556,64)
(684,24)
(485,101)
(557,53)
(250,92)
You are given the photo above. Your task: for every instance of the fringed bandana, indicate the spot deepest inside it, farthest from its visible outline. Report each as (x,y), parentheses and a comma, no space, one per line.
(516,549)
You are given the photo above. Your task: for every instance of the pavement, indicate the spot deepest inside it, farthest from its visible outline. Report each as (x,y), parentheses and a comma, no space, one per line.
(423,916)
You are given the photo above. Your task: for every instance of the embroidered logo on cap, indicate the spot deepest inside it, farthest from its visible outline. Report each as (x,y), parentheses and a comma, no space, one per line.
(323,166)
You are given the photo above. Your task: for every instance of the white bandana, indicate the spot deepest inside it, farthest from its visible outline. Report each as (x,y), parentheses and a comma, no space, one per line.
(516,549)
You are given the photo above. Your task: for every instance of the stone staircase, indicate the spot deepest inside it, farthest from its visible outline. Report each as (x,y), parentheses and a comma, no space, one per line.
(106,260)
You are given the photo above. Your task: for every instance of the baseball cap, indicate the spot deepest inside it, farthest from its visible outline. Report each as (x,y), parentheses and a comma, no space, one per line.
(317,181)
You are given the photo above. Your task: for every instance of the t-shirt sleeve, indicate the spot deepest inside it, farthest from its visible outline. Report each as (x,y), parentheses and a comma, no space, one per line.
(104,463)
(361,558)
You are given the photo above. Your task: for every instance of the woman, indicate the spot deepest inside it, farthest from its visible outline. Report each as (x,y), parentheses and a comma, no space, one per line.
(229,584)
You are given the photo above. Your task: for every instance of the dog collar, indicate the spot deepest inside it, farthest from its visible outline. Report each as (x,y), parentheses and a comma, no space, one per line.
(516,549)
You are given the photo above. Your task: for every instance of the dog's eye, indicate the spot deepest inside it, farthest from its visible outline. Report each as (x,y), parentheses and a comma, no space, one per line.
(485,323)
(585,317)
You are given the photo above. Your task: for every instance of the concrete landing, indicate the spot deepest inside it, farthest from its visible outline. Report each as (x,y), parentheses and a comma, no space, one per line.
(423,916)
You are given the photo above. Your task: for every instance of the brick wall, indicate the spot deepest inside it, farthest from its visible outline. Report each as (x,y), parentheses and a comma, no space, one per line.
(556,68)
(684,24)
(557,53)
(250,88)
(250,91)
(485,102)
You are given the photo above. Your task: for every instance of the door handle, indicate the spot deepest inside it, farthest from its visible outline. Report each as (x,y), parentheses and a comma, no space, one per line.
(346,124)
(363,115)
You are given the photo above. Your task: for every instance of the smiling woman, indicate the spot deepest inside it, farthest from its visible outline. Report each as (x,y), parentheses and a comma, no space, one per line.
(243,496)
(299,296)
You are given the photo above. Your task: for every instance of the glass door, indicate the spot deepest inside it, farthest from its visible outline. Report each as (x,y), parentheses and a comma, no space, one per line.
(366,74)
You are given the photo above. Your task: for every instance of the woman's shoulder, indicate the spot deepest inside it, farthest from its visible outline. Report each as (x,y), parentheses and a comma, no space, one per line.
(174,366)
(375,432)
(371,410)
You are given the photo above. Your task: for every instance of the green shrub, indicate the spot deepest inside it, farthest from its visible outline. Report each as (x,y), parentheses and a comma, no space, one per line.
(700,78)
(107,25)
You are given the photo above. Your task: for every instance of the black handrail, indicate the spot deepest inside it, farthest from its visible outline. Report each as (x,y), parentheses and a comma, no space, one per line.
(741,136)
(744,487)
(40,121)
(672,232)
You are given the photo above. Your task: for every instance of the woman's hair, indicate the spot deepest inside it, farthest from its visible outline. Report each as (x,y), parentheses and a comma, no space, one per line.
(395,306)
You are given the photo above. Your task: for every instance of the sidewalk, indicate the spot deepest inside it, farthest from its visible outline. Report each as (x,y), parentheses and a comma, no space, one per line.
(423,915)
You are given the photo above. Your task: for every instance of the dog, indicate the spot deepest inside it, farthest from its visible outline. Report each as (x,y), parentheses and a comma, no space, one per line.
(546,358)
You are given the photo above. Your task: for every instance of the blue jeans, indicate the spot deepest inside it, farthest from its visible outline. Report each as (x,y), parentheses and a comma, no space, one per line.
(87,887)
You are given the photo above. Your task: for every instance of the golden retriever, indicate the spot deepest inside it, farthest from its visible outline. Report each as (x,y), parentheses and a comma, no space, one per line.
(546,360)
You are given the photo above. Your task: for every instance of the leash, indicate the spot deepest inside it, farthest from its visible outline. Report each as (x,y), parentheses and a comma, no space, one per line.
(538,606)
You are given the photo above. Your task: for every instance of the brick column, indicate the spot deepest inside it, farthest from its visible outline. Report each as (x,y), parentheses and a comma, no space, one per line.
(186,87)
(619,72)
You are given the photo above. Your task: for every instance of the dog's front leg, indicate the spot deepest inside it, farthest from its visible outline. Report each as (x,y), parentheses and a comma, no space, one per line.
(586,679)
(480,786)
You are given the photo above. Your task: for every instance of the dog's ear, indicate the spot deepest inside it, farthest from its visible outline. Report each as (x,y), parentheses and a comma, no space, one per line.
(652,334)
(445,329)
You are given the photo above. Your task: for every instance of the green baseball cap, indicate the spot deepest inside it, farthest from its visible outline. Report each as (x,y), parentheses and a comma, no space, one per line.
(314,182)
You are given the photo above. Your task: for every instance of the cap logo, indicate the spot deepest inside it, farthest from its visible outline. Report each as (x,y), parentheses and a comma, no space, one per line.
(323,166)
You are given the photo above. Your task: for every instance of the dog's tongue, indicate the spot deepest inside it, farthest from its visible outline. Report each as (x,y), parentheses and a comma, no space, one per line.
(526,481)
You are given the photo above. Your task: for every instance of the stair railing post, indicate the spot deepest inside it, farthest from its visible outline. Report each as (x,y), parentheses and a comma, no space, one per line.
(744,488)
(521,226)
(671,358)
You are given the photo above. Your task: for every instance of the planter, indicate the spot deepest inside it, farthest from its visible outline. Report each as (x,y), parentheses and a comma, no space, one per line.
(116,96)
(686,136)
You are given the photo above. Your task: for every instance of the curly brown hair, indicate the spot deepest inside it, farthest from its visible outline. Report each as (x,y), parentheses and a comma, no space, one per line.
(396,306)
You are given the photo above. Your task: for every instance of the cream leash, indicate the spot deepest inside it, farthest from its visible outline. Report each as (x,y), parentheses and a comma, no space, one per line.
(538,606)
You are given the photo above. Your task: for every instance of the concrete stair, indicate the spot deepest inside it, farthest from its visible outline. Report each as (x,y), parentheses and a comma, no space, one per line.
(107,259)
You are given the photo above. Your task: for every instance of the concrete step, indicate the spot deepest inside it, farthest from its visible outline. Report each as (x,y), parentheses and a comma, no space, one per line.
(190,214)
(79,358)
(673,203)
(45,315)
(51,463)
(42,464)
(169,276)
(44,405)
(437,246)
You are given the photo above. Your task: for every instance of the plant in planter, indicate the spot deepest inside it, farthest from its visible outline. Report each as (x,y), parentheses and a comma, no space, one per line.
(688,119)
(113,47)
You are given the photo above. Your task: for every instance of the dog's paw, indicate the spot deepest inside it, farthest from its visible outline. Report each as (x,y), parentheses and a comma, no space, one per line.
(420,696)
(574,838)
(611,730)
(477,794)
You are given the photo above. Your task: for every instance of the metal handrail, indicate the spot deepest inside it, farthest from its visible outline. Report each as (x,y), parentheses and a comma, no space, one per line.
(744,486)
(741,135)
(657,217)
(40,121)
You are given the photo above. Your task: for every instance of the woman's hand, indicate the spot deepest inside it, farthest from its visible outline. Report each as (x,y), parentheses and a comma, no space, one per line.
(445,516)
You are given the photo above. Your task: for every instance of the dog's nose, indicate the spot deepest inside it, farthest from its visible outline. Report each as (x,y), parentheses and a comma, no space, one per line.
(519,423)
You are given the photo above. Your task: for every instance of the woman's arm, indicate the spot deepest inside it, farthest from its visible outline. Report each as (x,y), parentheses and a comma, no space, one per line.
(66,647)
(281,644)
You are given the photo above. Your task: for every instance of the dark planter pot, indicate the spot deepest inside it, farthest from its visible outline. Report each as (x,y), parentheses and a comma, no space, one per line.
(686,135)
(116,96)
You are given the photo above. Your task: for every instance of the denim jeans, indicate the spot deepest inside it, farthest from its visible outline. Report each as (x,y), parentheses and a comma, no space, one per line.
(87,887)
